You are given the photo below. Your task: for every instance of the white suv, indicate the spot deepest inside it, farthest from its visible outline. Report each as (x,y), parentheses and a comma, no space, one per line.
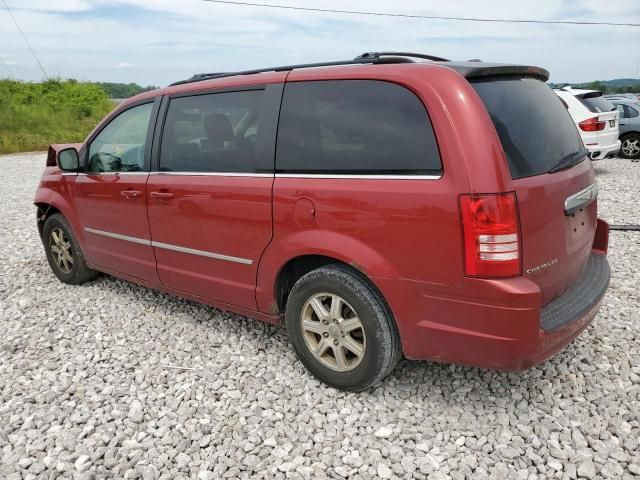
(596,119)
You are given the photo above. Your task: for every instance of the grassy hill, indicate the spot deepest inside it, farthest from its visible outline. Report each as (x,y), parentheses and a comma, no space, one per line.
(56,111)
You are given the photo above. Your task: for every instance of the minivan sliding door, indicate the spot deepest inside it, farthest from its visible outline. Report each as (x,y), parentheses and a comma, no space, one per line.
(209,200)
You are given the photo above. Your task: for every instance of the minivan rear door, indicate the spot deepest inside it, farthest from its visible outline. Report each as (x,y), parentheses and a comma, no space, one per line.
(548,166)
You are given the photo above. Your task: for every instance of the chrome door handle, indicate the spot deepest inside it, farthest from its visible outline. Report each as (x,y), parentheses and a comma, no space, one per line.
(130,193)
(161,195)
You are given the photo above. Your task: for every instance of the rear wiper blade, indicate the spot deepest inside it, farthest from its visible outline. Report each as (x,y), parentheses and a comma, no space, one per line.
(567,160)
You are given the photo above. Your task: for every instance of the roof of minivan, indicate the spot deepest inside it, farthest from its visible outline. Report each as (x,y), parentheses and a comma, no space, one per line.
(468,69)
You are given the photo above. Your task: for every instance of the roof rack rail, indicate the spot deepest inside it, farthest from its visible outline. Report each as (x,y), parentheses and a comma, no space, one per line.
(209,76)
(377,55)
(365,58)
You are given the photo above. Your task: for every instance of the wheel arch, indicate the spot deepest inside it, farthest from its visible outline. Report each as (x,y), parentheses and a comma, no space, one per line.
(44,211)
(315,248)
(49,202)
(294,269)
(629,133)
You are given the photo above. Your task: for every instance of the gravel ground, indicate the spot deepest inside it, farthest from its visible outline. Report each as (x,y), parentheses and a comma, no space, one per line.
(111,380)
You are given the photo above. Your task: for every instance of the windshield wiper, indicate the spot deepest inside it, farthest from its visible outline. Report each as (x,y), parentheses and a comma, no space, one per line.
(568,160)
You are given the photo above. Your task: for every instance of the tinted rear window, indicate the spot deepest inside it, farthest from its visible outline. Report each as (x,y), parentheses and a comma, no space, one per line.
(215,132)
(534,127)
(597,104)
(354,127)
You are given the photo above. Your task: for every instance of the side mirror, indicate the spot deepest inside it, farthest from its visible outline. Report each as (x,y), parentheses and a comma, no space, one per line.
(68,160)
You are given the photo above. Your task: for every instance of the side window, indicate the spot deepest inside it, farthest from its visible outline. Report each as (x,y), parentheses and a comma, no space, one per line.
(620,108)
(631,112)
(354,127)
(211,133)
(120,146)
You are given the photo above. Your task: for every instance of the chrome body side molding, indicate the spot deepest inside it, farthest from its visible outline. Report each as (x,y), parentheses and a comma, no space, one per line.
(126,238)
(372,176)
(202,253)
(167,246)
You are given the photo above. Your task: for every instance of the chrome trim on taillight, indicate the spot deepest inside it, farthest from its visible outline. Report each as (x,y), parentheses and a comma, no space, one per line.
(512,237)
(499,256)
(499,247)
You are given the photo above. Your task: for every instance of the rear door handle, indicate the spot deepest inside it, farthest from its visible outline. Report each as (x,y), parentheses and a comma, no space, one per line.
(161,195)
(130,193)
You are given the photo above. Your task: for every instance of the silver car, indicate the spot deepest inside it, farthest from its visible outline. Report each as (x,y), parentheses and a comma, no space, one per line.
(629,126)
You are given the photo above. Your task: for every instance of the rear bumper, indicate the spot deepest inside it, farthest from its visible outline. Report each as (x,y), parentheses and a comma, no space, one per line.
(598,152)
(502,326)
(578,300)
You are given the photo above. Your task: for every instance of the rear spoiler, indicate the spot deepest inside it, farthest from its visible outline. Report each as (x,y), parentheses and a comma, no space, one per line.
(473,69)
(589,95)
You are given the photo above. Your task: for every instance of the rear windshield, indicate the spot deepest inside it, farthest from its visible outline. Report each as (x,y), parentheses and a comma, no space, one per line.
(597,104)
(534,127)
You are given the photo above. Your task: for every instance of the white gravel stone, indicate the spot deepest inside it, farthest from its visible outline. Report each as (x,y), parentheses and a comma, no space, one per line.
(135,412)
(384,471)
(270,442)
(110,379)
(383,432)
(554,463)
(82,463)
(586,469)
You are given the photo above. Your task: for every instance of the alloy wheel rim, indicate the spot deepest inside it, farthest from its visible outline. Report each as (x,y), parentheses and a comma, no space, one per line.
(333,332)
(631,147)
(60,246)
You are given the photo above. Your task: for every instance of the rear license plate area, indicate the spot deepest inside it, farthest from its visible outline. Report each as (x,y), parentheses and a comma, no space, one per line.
(612,123)
(579,224)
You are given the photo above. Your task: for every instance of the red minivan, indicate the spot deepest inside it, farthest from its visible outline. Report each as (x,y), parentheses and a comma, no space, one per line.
(393,205)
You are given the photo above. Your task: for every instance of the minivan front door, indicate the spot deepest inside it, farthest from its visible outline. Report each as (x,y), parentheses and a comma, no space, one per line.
(209,202)
(111,195)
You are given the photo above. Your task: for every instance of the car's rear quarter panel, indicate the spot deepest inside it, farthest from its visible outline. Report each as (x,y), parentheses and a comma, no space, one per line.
(403,234)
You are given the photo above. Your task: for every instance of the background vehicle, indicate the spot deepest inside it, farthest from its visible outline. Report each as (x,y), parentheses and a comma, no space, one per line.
(596,119)
(629,126)
(378,206)
(635,97)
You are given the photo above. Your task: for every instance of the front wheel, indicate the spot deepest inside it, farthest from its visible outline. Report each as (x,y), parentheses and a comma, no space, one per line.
(630,147)
(341,329)
(63,252)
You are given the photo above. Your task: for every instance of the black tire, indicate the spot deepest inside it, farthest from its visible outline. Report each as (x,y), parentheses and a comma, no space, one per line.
(78,272)
(382,347)
(633,138)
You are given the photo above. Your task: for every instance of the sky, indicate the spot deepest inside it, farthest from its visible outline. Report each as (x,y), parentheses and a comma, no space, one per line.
(155,42)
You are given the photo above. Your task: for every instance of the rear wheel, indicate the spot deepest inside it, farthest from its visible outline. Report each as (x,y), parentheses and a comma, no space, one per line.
(630,147)
(63,252)
(341,329)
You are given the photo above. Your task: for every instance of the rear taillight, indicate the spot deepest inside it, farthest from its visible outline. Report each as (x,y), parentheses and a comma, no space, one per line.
(592,125)
(491,235)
